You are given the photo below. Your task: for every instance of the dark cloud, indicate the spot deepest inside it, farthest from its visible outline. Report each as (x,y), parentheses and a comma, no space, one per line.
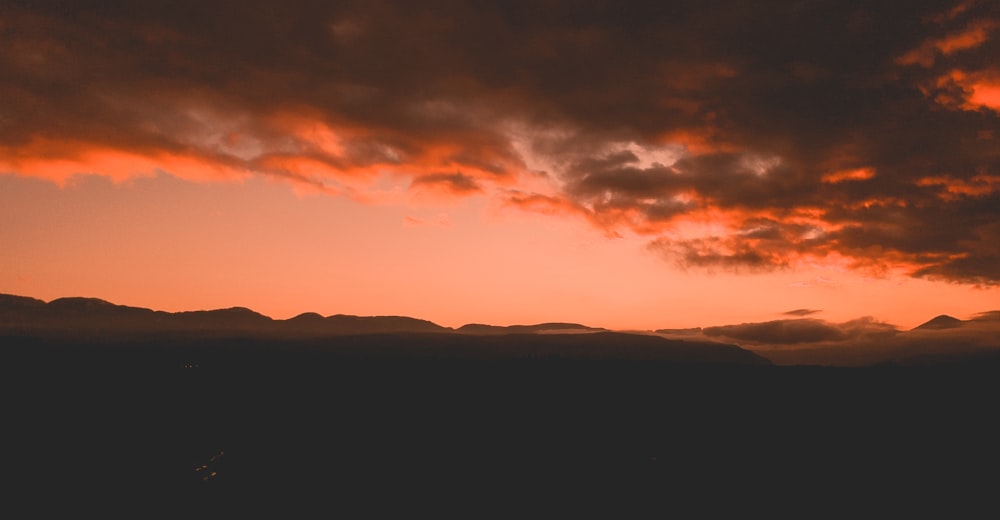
(716,252)
(802,129)
(969,339)
(988,316)
(454,182)
(801,312)
(796,331)
(860,342)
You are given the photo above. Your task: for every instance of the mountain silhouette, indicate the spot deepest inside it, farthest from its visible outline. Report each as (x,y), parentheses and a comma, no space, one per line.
(479,328)
(348,324)
(940,322)
(72,320)
(14,302)
(687,331)
(74,315)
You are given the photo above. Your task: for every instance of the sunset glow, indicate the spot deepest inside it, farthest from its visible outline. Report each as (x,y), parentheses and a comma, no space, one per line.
(634,167)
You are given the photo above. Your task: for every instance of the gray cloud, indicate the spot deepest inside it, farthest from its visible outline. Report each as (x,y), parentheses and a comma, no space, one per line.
(801,312)
(795,331)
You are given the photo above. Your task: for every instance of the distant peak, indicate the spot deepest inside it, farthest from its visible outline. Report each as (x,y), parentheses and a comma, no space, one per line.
(940,322)
(78,302)
(239,310)
(232,312)
(561,325)
(308,316)
(479,328)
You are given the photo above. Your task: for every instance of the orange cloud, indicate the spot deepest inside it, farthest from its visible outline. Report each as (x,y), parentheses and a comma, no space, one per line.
(857,174)
(539,203)
(952,188)
(952,13)
(985,94)
(60,161)
(714,134)
(965,90)
(973,36)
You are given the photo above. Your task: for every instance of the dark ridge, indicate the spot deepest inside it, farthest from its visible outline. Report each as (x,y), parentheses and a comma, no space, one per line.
(97,322)
(940,322)
(479,328)
(12,301)
(307,317)
(94,317)
(76,303)
(232,313)
(347,324)
(233,319)
(691,330)
(86,307)
(311,323)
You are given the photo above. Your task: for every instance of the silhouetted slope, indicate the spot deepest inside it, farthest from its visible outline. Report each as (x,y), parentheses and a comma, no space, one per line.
(686,331)
(307,318)
(79,304)
(313,324)
(940,322)
(305,324)
(101,322)
(479,328)
(10,302)
(91,316)
(235,319)
(78,317)
(347,324)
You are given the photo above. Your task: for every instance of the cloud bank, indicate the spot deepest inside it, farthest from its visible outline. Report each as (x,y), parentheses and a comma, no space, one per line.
(863,341)
(732,135)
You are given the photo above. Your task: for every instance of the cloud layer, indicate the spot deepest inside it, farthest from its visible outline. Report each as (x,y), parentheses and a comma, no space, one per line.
(860,342)
(732,135)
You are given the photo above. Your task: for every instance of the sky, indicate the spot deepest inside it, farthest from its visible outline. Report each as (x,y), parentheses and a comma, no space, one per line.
(628,165)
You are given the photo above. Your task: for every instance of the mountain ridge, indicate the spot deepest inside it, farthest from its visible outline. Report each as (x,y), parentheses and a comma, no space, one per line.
(305,321)
(82,321)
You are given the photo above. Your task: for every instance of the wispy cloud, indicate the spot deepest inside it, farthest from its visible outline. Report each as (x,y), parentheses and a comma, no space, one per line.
(801,312)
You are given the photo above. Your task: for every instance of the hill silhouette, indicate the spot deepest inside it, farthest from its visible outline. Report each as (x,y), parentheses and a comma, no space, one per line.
(479,328)
(76,315)
(72,320)
(940,322)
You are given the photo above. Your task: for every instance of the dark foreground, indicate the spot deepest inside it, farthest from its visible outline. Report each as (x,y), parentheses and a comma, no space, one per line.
(226,431)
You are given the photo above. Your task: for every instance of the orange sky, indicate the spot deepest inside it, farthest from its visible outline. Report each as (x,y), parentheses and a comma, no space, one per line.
(169,244)
(629,169)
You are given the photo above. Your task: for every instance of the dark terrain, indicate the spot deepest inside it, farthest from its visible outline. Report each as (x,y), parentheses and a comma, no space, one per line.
(476,425)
